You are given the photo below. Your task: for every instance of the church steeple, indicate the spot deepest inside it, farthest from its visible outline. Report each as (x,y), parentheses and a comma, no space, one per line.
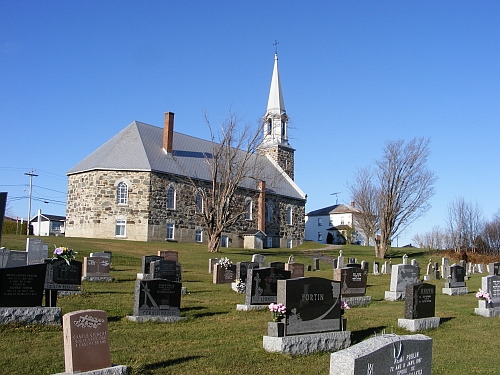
(275,126)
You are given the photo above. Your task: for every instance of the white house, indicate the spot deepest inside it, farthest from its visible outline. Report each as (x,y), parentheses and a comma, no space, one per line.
(332,224)
(48,225)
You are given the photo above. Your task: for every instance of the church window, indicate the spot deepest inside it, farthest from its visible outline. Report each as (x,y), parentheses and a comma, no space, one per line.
(122,193)
(171,198)
(120,227)
(289,215)
(224,241)
(269,127)
(199,203)
(320,221)
(170,231)
(283,128)
(269,212)
(289,243)
(248,208)
(199,235)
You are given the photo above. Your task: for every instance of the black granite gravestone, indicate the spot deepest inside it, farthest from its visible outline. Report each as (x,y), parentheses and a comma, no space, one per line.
(166,269)
(352,281)
(22,286)
(157,297)
(313,305)
(146,261)
(279,265)
(242,269)
(456,279)
(420,301)
(262,285)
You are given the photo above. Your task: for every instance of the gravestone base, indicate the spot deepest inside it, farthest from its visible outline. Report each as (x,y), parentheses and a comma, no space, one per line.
(97,278)
(394,296)
(115,370)
(415,325)
(307,344)
(242,307)
(456,291)
(486,311)
(358,301)
(31,315)
(152,318)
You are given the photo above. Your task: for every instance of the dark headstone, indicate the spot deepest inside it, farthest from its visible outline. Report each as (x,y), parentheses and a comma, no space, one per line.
(17,258)
(3,205)
(495,268)
(352,281)
(96,266)
(262,285)
(385,354)
(420,301)
(146,261)
(242,270)
(309,268)
(313,305)
(279,265)
(157,297)
(223,275)
(166,269)
(316,264)
(169,255)
(351,260)
(22,286)
(61,276)
(335,263)
(456,279)
(353,265)
(491,284)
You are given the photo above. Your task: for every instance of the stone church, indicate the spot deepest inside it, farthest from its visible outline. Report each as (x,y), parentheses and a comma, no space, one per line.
(135,186)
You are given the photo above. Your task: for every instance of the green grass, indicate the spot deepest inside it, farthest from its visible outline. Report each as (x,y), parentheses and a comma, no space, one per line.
(217,339)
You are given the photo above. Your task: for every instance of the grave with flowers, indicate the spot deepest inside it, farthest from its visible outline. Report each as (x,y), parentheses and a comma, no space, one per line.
(224,271)
(307,317)
(489,297)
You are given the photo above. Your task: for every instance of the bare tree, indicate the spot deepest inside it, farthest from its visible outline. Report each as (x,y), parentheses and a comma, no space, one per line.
(234,171)
(435,239)
(364,194)
(491,234)
(464,224)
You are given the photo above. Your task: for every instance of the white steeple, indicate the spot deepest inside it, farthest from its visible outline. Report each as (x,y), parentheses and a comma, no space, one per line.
(275,120)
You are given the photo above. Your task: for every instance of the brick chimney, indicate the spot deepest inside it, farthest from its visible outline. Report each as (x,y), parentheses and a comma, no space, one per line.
(261,219)
(168,132)
(352,204)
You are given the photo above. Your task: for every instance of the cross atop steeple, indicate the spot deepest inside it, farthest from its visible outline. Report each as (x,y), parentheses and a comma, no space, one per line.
(275,44)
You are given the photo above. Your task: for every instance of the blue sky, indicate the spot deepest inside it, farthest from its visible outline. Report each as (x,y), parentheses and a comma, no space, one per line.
(354,75)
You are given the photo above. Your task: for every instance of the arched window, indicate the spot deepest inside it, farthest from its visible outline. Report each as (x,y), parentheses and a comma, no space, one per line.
(269,126)
(248,208)
(171,198)
(289,215)
(283,128)
(199,203)
(122,193)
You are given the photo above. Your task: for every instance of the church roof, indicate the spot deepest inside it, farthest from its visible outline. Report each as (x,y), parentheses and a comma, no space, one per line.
(139,147)
(275,103)
(335,209)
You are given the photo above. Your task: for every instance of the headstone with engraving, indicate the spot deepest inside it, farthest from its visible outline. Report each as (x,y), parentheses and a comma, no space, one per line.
(420,307)
(37,250)
(296,269)
(156,299)
(96,268)
(313,318)
(353,285)
(259,258)
(165,269)
(385,354)
(242,270)
(262,287)
(401,276)
(86,342)
(169,255)
(495,268)
(223,275)
(491,285)
(17,258)
(414,262)
(22,286)
(146,264)
(455,284)
(62,277)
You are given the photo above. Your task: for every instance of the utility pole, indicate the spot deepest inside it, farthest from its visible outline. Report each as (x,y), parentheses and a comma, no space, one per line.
(31,174)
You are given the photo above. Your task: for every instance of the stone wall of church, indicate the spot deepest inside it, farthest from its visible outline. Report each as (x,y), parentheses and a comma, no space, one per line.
(285,158)
(92,209)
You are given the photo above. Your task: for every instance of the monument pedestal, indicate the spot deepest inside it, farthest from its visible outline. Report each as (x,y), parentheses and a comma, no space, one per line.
(394,296)
(115,370)
(415,325)
(31,315)
(486,311)
(243,307)
(456,291)
(307,344)
(358,301)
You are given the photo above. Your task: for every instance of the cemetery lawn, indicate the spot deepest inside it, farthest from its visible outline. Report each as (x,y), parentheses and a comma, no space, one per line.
(217,339)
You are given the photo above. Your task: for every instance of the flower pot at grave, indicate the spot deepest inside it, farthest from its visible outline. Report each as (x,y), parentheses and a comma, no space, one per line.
(276,329)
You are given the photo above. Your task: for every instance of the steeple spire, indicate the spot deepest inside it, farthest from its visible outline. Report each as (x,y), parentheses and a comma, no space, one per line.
(275,104)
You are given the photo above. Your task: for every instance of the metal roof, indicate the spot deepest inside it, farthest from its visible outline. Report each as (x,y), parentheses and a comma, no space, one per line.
(139,147)
(335,209)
